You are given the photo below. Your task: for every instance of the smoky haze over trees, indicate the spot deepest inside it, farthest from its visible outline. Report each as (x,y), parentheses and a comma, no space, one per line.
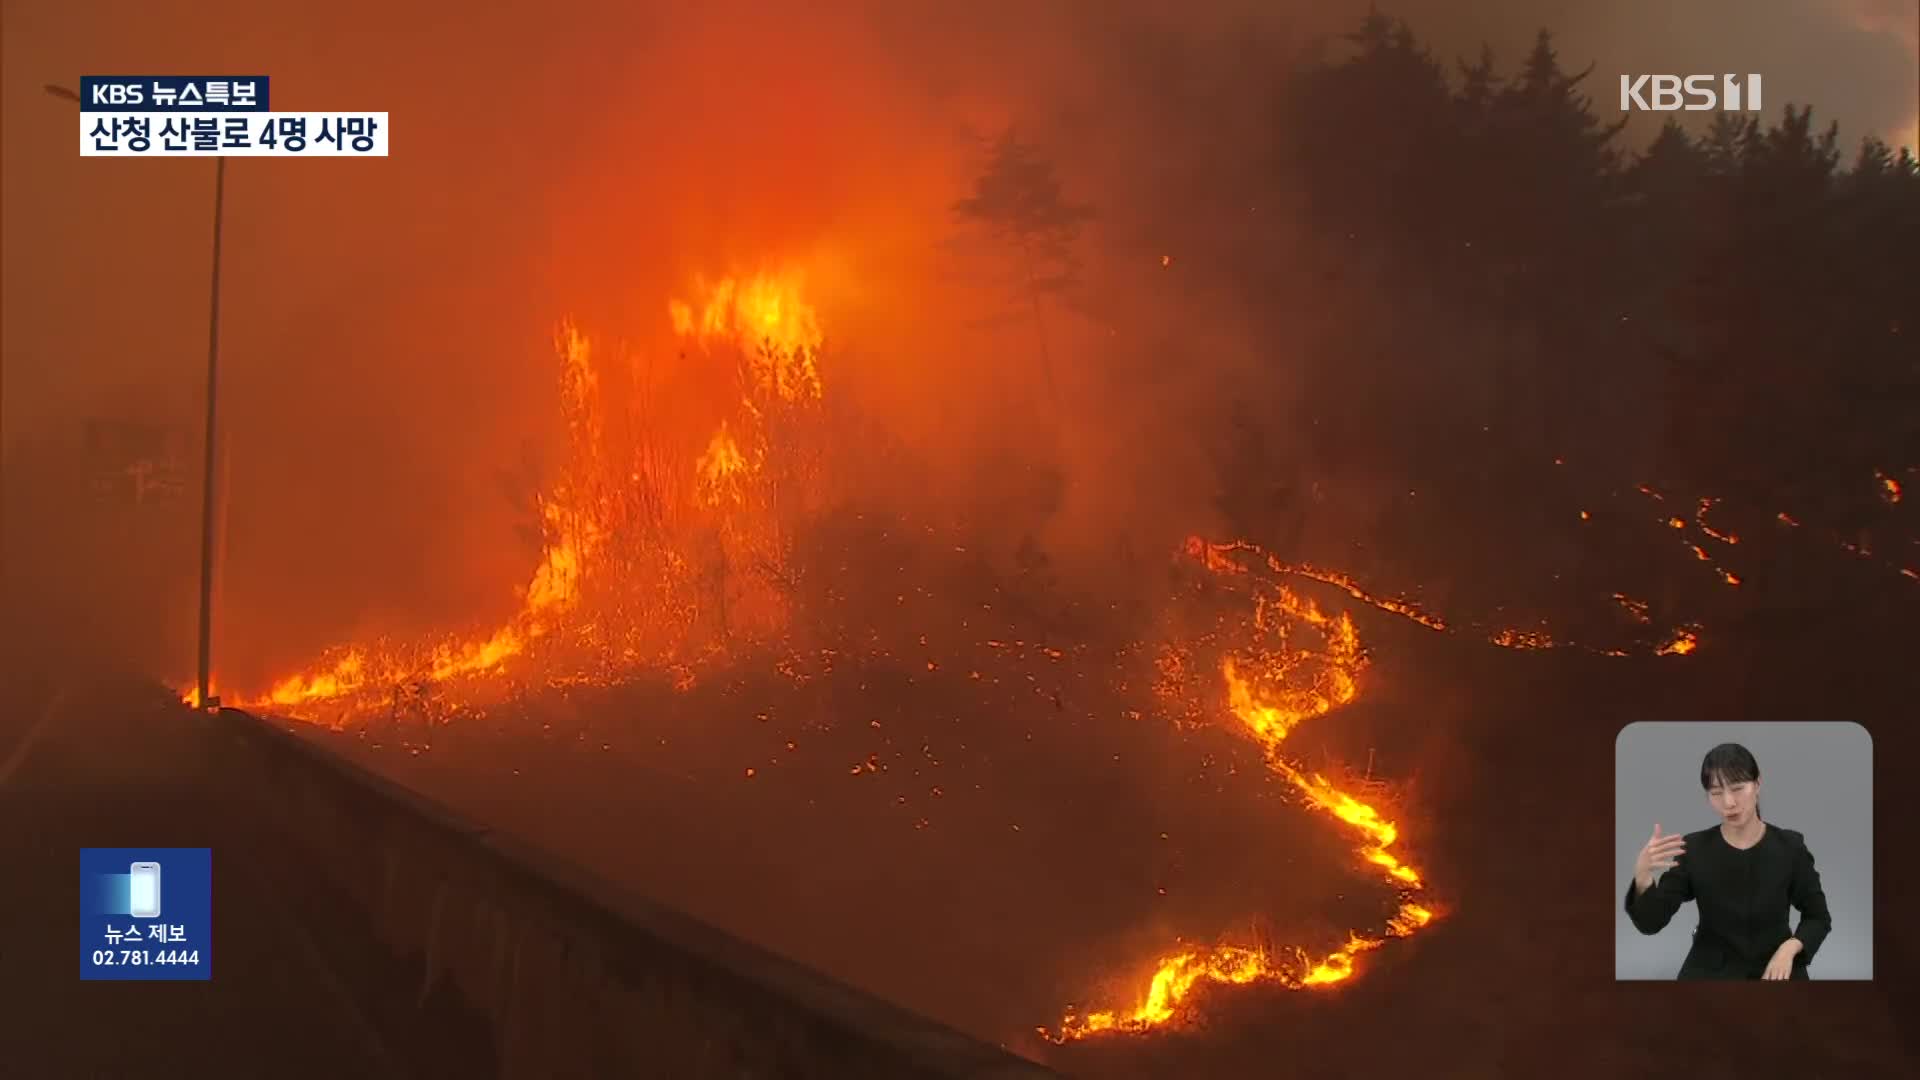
(1018,197)
(1312,287)
(1728,314)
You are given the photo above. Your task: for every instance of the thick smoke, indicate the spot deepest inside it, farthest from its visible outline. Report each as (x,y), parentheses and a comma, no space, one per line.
(386,325)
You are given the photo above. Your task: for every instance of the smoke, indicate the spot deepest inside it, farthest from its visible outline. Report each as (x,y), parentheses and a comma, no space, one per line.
(386,325)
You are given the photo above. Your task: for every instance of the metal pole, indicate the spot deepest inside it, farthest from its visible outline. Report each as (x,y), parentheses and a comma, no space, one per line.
(207,492)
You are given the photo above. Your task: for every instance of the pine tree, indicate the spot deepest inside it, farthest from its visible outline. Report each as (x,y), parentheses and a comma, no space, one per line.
(1019,198)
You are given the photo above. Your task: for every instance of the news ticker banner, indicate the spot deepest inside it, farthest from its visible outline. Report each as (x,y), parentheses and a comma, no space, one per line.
(213,116)
(146,914)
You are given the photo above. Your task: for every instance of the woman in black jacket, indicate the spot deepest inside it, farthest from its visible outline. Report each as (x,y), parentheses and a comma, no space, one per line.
(1743,874)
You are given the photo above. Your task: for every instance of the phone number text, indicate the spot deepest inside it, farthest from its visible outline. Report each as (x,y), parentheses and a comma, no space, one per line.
(137,957)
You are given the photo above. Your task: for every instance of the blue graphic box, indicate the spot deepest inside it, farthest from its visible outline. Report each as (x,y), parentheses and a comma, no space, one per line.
(146,913)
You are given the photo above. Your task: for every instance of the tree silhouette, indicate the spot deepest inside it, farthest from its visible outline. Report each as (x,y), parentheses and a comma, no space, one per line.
(1737,301)
(521,485)
(1018,198)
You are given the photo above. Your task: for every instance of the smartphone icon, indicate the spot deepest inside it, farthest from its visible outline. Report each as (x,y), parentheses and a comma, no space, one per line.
(145,890)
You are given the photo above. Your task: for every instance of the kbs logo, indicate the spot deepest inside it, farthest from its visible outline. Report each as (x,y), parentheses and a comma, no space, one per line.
(1694,93)
(116,94)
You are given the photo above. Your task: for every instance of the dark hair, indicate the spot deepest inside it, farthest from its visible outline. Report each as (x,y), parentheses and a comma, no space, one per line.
(1729,763)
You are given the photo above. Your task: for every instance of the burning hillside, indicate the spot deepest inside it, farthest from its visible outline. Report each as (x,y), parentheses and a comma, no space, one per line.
(686,535)
(1273,685)
(661,548)
(682,536)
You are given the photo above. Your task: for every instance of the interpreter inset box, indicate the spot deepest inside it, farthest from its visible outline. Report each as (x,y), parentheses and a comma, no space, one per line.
(1743,851)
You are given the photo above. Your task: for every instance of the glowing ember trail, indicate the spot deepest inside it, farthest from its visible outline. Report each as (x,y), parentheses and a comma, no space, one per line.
(1700,520)
(1523,639)
(1220,559)
(1271,693)
(1217,557)
(1637,609)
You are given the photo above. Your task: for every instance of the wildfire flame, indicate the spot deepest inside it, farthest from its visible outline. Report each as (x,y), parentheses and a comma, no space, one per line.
(347,675)
(766,318)
(1271,693)
(764,324)
(1685,640)
(1889,487)
(775,336)
(721,469)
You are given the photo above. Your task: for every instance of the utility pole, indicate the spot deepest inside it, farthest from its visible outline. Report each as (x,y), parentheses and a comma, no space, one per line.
(204,699)
(209,490)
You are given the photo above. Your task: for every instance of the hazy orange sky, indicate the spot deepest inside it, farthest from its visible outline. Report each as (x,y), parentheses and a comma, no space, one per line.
(387,323)
(104,261)
(466,246)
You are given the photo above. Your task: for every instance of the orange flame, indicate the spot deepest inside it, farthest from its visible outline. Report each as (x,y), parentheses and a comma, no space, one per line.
(1889,487)
(778,337)
(1685,640)
(721,469)
(766,318)
(1265,694)
(347,675)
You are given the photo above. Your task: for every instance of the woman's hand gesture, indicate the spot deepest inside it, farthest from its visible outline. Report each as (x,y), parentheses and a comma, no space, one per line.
(1661,852)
